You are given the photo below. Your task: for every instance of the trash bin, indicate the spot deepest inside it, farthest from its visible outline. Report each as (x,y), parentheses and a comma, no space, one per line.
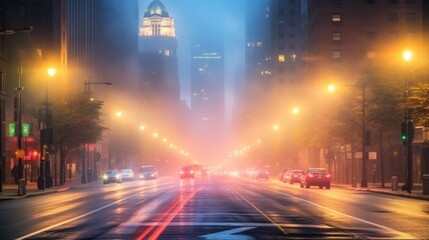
(425,183)
(22,188)
(394,183)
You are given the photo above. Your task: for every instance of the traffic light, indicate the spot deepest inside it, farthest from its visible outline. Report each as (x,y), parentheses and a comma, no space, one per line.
(404,135)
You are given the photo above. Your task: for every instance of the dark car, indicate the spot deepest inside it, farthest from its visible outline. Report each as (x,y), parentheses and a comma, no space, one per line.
(262,173)
(316,177)
(112,176)
(293,176)
(187,171)
(148,172)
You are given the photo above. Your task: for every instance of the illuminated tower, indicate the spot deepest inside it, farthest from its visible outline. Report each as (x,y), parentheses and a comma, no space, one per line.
(157,55)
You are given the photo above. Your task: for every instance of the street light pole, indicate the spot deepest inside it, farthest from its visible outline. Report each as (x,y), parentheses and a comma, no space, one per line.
(94,170)
(364,182)
(407,55)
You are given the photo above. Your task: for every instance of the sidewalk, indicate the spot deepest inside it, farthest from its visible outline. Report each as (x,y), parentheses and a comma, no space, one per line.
(416,193)
(10,191)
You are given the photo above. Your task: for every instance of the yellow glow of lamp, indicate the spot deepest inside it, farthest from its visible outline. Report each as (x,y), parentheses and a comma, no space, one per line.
(407,55)
(51,71)
(331,88)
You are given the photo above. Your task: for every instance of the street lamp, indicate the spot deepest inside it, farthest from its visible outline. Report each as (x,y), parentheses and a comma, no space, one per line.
(407,56)
(46,135)
(364,182)
(94,172)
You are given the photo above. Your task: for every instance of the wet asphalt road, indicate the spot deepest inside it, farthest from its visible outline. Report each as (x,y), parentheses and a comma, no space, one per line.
(216,208)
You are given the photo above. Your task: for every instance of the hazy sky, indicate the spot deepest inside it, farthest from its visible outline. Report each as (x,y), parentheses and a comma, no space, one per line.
(219,21)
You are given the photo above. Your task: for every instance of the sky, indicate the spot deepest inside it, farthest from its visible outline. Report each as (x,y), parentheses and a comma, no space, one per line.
(220,21)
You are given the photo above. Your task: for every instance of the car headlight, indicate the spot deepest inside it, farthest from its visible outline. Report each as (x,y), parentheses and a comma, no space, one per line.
(105,177)
(118,176)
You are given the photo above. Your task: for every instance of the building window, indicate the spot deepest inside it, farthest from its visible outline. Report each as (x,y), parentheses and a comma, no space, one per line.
(336,17)
(411,17)
(393,17)
(370,54)
(336,36)
(281,34)
(281,46)
(336,55)
(411,35)
(291,35)
(281,12)
(393,35)
(393,1)
(371,36)
(336,2)
(281,57)
(292,2)
(371,2)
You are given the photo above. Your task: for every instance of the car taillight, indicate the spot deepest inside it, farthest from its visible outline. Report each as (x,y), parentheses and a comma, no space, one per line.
(181,172)
(310,175)
(192,172)
(328,175)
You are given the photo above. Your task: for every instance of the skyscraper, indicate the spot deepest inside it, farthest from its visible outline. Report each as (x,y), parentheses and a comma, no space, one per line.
(158,54)
(208,98)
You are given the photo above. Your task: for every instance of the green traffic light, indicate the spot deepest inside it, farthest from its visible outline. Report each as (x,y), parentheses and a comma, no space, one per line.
(404,138)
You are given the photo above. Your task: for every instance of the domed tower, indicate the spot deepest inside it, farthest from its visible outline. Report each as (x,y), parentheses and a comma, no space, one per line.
(157,55)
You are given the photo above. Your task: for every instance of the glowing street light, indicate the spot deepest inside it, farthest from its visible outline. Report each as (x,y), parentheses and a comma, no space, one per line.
(295,110)
(276,127)
(409,127)
(407,55)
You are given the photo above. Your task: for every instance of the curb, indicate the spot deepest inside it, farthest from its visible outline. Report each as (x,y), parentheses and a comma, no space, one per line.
(397,193)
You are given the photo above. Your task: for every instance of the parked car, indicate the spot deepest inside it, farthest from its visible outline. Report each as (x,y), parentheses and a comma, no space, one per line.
(127,174)
(293,176)
(112,176)
(187,171)
(148,172)
(262,173)
(316,177)
(282,173)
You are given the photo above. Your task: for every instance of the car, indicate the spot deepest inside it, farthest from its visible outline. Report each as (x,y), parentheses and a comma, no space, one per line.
(187,171)
(282,173)
(293,176)
(262,173)
(127,174)
(112,176)
(316,177)
(148,172)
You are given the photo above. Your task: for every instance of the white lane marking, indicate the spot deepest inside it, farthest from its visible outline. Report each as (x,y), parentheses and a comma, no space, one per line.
(227,224)
(228,234)
(76,218)
(405,235)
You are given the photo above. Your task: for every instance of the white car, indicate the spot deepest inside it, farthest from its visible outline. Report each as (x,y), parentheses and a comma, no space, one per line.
(127,174)
(112,176)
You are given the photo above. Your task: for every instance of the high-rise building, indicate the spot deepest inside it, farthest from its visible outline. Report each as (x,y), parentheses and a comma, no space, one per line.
(158,54)
(208,99)
(342,43)
(255,93)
